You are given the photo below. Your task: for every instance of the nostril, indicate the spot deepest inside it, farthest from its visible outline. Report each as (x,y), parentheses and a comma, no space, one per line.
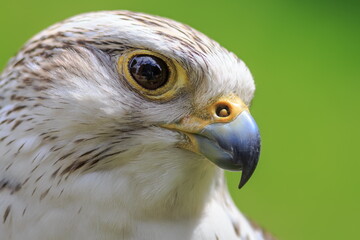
(222,110)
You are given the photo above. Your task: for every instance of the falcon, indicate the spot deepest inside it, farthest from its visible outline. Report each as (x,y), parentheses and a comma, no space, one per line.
(118,125)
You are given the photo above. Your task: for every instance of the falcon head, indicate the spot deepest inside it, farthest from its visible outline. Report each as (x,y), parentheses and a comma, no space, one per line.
(112,96)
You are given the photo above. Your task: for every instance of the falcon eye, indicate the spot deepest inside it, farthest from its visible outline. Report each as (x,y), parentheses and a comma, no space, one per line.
(152,75)
(149,71)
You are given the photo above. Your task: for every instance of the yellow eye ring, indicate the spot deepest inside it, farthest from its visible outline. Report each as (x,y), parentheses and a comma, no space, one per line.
(176,77)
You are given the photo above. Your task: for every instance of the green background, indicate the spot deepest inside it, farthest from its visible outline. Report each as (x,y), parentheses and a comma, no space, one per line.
(305,58)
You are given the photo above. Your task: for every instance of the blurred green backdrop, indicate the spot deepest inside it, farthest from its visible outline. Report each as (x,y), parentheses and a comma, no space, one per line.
(305,57)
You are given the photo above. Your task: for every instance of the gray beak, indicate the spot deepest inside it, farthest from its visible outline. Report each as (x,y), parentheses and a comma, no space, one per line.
(233,146)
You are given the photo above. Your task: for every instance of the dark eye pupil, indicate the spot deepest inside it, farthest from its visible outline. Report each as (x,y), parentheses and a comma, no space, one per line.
(149,71)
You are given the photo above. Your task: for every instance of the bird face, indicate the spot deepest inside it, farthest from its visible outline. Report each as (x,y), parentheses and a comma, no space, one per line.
(110,87)
(216,131)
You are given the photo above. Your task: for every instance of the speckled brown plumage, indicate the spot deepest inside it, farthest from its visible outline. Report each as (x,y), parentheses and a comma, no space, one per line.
(84,155)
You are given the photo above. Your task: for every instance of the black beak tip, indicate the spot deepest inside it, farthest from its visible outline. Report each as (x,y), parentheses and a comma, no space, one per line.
(250,163)
(244,178)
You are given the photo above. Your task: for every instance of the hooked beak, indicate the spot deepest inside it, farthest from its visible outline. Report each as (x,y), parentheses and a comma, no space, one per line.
(232,146)
(228,137)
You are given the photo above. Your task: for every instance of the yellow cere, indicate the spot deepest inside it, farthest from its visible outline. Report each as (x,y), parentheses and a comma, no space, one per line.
(197,121)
